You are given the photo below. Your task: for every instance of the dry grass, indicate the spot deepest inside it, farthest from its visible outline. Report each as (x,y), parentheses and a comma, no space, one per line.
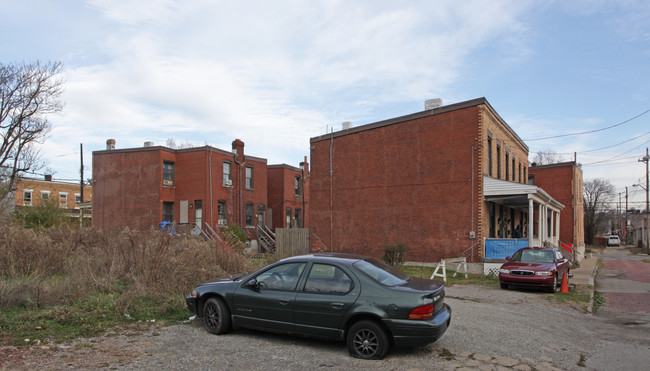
(62,265)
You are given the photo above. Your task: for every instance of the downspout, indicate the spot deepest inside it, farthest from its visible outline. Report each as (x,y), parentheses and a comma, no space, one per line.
(331,191)
(210,185)
(239,185)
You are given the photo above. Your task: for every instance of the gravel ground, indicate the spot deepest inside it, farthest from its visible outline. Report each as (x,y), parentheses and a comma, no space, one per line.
(492,329)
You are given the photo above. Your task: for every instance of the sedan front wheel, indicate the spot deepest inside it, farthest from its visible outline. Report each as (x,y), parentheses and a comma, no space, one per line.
(367,340)
(216,316)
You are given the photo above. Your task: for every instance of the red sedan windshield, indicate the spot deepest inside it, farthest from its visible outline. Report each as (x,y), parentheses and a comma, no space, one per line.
(534,256)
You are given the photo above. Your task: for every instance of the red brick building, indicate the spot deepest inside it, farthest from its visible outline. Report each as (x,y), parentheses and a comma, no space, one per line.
(141,187)
(68,195)
(563,181)
(288,195)
(442,181)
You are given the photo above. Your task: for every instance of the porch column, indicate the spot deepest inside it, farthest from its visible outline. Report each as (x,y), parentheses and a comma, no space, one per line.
(557,228)
(531,220)
(541,217)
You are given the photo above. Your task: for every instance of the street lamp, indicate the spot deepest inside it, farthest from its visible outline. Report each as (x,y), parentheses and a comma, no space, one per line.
(647,204)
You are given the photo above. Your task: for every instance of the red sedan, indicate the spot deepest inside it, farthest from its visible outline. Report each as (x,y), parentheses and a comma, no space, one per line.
(534,267)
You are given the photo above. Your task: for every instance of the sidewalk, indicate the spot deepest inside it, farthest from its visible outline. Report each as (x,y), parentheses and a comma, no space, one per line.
(585,274)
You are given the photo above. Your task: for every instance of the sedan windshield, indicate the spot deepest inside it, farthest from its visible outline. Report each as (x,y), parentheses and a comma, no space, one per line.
(382,272)
(534,256)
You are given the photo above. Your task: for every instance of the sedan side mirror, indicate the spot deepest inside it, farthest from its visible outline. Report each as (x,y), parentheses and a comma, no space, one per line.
(252,284)
(508,258)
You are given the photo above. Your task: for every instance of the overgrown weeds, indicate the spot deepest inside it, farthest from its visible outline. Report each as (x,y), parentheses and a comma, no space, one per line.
(62,281)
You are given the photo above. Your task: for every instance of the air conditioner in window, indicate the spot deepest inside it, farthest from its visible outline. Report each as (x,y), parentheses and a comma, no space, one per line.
(222,222)
(168,182)
(227,182)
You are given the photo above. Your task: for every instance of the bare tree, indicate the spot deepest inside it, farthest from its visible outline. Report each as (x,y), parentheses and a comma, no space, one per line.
(171,143)
(547,156)
(28,93)
(596,194)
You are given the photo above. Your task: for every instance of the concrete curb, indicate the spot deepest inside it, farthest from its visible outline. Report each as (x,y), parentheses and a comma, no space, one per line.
(592,292)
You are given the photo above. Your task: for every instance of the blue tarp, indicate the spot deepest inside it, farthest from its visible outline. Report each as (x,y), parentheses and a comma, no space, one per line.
(500,248)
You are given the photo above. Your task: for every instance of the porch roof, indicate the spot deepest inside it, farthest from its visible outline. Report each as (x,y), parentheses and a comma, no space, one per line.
(516,195)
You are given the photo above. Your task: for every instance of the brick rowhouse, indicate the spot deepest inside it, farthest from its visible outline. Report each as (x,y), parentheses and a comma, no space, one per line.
(415,180)
(564,182)
(140,187)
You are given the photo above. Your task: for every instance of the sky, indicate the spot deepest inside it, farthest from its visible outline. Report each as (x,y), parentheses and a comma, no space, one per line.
(568,76)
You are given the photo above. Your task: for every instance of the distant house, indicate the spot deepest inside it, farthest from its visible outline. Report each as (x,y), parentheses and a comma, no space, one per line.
(31,192)
(450,181)
(564,181)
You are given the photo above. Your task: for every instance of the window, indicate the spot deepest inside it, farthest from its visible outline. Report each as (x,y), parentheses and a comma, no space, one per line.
(249,215)
(507,163)
(498,161)
(288,218)
(297,186)
(513,168)
(227,174)
(77,198)
(63,199)
(249,177)
(221,211)
(168,212)
(45,196)
(328,279)
(281,277)
(298,218)
(27,197)
(520,172)
(489,145)
(168,173)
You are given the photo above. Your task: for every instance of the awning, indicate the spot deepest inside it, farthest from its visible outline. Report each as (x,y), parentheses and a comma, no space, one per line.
(516,195)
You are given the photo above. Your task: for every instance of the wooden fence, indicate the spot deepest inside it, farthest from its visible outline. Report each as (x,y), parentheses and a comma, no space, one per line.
(291,242)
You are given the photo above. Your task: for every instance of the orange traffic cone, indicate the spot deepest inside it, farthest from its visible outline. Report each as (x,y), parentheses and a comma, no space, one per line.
(564,288)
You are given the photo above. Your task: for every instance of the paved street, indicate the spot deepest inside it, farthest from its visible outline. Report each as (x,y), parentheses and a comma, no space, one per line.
(624,281)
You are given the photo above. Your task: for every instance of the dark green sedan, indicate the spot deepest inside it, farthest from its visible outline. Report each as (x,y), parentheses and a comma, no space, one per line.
(363,301)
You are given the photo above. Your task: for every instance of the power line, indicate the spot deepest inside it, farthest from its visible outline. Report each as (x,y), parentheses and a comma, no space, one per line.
(590,131)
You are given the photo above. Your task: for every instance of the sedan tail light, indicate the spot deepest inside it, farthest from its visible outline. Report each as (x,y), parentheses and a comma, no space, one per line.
(423,312)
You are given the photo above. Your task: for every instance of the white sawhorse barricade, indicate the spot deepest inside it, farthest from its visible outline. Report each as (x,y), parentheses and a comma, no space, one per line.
(460,268)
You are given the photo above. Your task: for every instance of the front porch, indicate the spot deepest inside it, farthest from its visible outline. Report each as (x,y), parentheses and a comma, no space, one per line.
(520,215)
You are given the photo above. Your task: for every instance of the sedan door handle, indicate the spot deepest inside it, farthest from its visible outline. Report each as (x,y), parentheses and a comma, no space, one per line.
(337,305)
(283,301)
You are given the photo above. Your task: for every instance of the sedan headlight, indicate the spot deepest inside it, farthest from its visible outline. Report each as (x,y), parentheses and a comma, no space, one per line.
(503,270)
(544,273)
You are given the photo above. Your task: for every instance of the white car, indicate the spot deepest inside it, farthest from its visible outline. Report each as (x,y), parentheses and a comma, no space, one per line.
(613,241)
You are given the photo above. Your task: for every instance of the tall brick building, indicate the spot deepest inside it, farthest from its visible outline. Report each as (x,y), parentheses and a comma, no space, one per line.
(564,181)
(442,181)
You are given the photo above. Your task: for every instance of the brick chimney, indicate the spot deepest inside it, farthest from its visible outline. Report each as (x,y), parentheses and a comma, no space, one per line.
(48,177)
(110,144)
(238,148)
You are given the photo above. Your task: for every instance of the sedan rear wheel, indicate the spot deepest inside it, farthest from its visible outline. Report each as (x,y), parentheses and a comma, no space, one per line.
(216,316)
(367,340)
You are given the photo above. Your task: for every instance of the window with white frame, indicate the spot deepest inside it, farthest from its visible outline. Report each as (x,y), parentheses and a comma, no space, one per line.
(27,197)
(45,196)
(63,200)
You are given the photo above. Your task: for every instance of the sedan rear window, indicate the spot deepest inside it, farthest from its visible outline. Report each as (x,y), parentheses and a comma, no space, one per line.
(382,272)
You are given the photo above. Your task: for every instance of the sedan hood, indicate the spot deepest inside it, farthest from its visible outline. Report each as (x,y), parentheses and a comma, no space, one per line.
(531,266)
(228,278)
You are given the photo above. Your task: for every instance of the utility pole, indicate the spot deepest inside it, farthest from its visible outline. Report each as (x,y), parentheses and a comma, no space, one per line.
(647,204)
(626,208)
